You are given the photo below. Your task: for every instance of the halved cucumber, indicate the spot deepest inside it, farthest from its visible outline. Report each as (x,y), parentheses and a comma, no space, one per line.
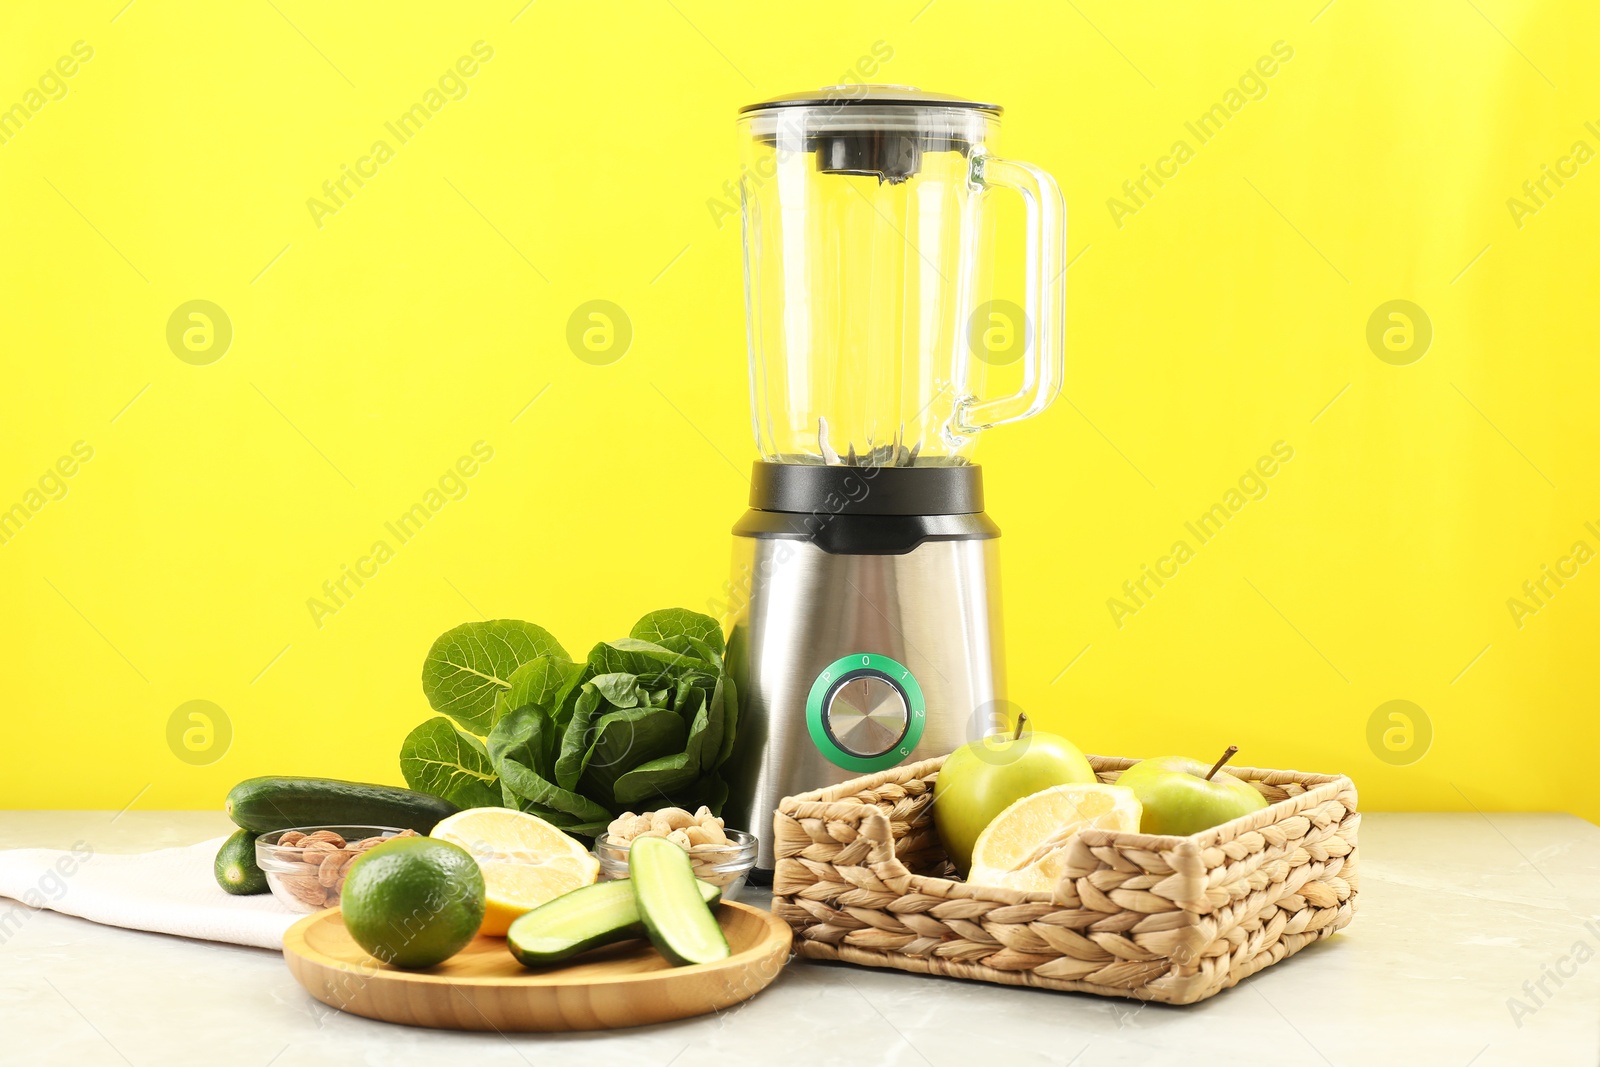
(677,921)
(580,920)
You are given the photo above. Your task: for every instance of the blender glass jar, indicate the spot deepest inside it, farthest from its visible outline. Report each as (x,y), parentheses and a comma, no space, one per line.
(867,244)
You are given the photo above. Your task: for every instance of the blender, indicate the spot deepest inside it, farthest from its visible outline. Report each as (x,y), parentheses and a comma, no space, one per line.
(865,627)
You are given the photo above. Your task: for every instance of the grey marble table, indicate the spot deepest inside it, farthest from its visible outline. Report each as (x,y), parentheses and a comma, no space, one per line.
(1457,913)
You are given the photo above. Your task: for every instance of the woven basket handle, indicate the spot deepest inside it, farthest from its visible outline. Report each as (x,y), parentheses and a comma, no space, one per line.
(881,860)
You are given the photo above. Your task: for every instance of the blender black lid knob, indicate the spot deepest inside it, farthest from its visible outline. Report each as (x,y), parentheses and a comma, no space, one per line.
(890,155)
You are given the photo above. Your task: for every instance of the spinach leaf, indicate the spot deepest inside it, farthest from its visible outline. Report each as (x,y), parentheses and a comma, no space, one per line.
(730,720)
(533,793)
(522,747)
(708,744)
(658,626)
(437,758)
(470,666)
(543,683)
(525,735)
(661,782)
(693,646)
(624,739)
(620,690)
(575,738)
(654,664)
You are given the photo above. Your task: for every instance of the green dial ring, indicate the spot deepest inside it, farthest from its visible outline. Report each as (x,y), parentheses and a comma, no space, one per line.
(857,665)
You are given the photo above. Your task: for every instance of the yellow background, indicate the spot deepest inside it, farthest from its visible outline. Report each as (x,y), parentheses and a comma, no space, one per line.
(369,354)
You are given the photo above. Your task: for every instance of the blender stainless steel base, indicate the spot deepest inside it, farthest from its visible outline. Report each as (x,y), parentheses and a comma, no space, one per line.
(860,641)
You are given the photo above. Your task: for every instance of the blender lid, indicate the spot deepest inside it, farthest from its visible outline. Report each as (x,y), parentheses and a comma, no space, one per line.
(880,131)
(881,95)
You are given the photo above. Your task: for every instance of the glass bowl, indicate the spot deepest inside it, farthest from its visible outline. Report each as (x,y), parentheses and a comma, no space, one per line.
(727,865)
(308,873)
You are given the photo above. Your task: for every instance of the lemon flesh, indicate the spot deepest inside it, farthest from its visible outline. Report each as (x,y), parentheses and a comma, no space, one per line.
(1024,847)
(525,861)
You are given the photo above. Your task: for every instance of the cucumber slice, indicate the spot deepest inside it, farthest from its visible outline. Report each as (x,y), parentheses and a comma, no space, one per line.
(678,922)
(580,920)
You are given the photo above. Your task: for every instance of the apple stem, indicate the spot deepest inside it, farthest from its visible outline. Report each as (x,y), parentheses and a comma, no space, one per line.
(1226,756)
(1022,718)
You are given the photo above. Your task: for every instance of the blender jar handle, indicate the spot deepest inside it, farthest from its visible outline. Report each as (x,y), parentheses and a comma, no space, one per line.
(1044,327)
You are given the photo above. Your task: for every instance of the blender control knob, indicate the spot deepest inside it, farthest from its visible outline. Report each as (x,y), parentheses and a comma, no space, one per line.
(867,715)
(866,712)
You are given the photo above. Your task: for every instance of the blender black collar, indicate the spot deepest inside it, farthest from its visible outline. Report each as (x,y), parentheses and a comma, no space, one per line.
(834,489)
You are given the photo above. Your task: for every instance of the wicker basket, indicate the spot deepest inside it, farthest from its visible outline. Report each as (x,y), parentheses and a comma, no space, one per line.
(862,877)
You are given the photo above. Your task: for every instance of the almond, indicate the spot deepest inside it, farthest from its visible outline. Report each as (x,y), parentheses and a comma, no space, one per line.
(332,864)
(313,851)
(324,835)
(306,891)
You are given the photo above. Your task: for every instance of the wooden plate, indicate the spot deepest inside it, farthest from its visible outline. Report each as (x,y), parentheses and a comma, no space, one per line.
(483,988)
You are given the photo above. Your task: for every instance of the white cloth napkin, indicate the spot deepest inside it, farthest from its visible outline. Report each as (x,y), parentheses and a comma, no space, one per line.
(172,891)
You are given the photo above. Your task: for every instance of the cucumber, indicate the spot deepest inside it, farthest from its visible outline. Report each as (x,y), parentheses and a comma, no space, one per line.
(277,803)
(677,920)
(582,919)
(236,868)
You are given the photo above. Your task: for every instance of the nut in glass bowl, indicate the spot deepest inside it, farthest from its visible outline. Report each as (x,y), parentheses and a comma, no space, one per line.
(719,856)
(306,865)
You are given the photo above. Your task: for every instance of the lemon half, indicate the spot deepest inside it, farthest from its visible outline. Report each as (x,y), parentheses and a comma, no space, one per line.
(1023,847)
(525,861)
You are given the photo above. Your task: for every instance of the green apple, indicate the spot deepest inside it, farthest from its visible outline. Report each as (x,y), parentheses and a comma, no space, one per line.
(981,779)
(1180,796)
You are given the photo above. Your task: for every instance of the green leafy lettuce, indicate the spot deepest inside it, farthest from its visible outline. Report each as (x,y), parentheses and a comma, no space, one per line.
(643,722)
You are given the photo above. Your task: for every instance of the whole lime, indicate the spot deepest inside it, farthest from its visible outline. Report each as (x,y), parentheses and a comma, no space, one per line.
(413,901)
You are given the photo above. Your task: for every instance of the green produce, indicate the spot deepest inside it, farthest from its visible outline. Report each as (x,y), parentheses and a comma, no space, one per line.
(413,901)
(469,667)
(235,866)
(440,760)
(675,915)
(1180,796)
(279,802)
(981,779)
(583,919)
(647,719)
